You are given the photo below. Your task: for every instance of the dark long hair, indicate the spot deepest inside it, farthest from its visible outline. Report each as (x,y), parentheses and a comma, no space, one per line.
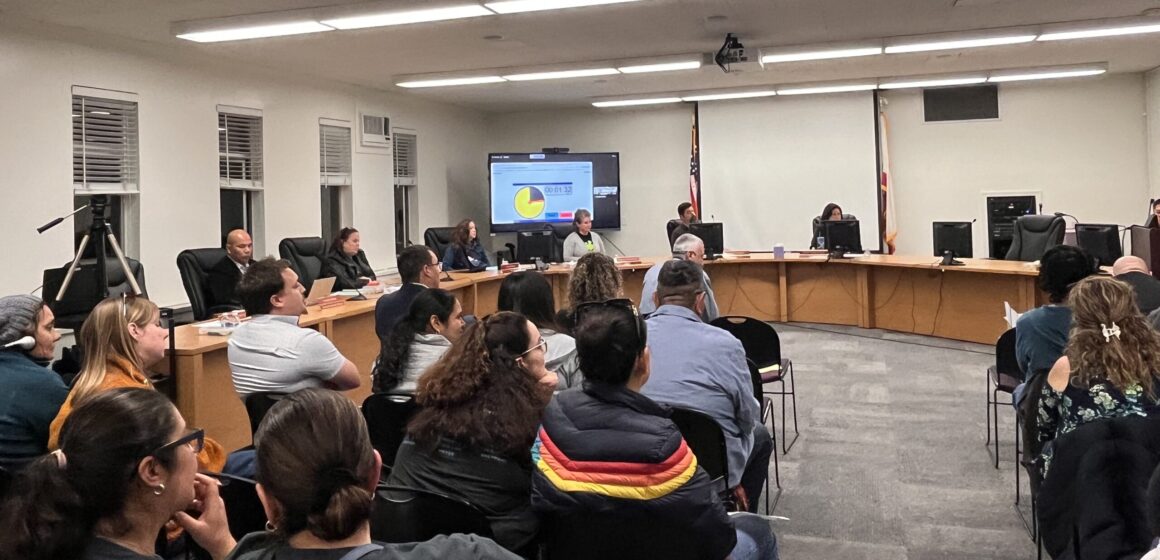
(461,235)
(396,346)
(478,395)
(609,340)
(52,509)
(529,294)
(315,458)
(343,235)
(827,210)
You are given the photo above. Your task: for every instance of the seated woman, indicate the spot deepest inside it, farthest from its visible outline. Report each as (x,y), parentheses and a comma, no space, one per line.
(121,338)
(594,278)
(464,252)
(830,212)
(529,294)
(347,263)
(608,451)
(480,406)
(419,339)
(1109,368)
(127,464)
(582,240)
(317,474)
(30,393)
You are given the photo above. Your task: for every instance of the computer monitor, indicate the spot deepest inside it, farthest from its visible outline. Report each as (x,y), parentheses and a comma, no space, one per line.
(531,245)
(713,234)
(1101,241)
(842,236)
(954,237)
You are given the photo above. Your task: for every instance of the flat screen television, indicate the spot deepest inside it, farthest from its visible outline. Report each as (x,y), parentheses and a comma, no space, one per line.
(530,191)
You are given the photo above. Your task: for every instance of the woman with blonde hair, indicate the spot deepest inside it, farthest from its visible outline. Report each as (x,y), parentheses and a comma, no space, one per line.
(121,338)
(1110,366)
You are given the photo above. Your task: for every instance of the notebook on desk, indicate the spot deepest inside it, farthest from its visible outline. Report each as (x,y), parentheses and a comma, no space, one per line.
(319,290)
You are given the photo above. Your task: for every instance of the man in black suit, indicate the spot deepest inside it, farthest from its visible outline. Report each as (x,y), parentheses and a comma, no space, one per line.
(1133,271)
(223,277)
(419,269)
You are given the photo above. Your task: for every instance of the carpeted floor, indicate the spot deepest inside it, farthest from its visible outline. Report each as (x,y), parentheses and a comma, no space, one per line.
(891,462)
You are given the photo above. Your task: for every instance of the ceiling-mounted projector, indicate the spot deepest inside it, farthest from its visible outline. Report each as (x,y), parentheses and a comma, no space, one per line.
(731,54)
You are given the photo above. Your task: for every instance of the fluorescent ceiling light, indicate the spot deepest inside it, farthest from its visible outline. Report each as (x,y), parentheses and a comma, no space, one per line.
(819,55)
(1103,32)
(413,16)
(631,102)
(739,95)
(959,44)
(826,89)
(561,74)
(1047,75)
(516,6)
(255,32)
(663,67)
(452,82)
(933,83)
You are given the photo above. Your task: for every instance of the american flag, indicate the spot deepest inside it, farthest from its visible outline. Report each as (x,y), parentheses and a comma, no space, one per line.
(695,165)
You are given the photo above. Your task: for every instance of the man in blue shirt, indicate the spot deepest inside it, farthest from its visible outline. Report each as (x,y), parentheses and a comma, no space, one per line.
(1041,334)
(687,247)
(419,269)
(701,367)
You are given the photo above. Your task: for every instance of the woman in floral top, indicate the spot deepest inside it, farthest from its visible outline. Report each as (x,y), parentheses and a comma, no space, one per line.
(1109,367)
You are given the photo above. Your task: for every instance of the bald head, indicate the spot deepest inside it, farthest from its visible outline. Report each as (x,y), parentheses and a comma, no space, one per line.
(1124,265)
(239,246)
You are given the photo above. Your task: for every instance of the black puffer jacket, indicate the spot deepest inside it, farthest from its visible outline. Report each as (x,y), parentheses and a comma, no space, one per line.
(610,463)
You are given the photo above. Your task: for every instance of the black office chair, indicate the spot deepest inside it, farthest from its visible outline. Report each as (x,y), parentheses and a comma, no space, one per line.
(670,227)
(82,297)
(257,405)
(306,255)
(438,238)
(766,416)
(1002,377)
(560,232)
(763,346)
(403,515)
(194,266)
(387,416)
(705,438)
(1034,235)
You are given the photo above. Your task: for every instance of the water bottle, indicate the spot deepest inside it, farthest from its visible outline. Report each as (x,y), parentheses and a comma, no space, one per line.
(821,242)
(778,251)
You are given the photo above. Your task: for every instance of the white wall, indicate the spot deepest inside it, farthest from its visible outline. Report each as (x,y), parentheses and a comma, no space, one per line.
(654,162)
(179,159)
(1082,143)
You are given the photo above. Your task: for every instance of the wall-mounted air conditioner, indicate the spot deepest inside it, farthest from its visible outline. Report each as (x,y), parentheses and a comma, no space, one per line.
(376,131)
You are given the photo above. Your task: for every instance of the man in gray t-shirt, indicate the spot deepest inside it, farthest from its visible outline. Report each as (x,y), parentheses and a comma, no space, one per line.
(270,353)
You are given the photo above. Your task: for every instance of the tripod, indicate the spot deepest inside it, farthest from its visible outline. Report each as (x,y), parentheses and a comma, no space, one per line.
(97,228)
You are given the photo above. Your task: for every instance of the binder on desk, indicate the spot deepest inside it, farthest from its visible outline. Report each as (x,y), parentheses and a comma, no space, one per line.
(1146,245)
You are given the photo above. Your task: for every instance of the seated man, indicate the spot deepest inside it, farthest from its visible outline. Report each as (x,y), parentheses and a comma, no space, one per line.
(1041,334)
(686,217)
(687,247)
(419,269)
(270,353)
(223,277)
(1133,271)
(637,471)
(701,367)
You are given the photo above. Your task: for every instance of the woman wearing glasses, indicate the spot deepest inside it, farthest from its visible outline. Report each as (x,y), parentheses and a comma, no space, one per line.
(529,294)
(121,338)
(481,404)
(609,457)
(126,466)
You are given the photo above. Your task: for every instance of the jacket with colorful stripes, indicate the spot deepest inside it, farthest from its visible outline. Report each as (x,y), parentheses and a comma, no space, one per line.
(607,451)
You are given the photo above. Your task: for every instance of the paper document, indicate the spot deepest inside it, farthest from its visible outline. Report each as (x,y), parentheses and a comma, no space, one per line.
(1010,315)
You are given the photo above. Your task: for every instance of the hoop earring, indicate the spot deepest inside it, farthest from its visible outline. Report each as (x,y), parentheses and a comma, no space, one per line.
(270,526)
(159,490)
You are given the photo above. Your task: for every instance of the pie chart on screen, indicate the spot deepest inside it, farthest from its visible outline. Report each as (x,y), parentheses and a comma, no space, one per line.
(529,202)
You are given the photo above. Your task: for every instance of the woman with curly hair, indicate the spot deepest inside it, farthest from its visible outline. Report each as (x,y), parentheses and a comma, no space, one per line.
(465,251)
(1109,368)
(594,278)
(481,404)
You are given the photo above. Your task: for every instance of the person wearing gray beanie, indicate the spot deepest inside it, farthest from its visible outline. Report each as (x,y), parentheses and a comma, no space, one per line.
(30,394)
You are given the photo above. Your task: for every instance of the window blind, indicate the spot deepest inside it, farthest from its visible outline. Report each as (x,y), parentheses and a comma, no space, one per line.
(335,165)
(240,150)
(105,145)
(406,159)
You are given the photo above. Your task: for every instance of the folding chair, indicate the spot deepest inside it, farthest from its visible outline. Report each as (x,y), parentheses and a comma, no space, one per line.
(763,346)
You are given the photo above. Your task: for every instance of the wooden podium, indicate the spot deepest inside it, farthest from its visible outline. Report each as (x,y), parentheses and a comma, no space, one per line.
(1146,245)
